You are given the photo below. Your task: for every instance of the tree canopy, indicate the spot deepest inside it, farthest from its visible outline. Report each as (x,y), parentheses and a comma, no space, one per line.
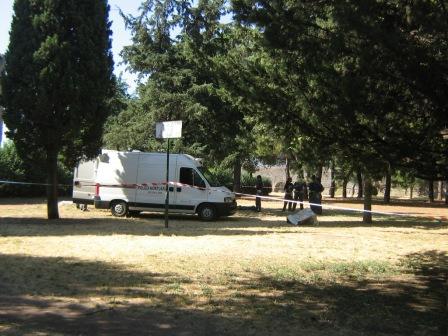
(369,76)
(58,77)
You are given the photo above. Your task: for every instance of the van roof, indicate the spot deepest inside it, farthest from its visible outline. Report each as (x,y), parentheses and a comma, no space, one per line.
(197,161)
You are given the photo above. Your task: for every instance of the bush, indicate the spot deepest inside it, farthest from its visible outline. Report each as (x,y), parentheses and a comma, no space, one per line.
(13,168)
(248,183)
(219,176)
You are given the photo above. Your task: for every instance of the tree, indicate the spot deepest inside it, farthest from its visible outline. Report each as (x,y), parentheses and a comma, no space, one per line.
(369,75)
(406,180)
(431,191)
(58,77)
(378,66)
(388,183)
(184,52)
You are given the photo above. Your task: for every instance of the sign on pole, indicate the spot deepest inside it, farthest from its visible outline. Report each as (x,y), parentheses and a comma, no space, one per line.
(168,130)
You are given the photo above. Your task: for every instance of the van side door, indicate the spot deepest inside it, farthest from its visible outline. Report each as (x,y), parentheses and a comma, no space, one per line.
(84,182)
(151,187)
(191,189)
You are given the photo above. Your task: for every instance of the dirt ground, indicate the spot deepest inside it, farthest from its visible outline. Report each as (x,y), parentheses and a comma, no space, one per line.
(89,273)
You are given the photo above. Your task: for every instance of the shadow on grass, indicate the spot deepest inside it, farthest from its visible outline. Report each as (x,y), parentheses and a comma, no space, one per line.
(420,203)
(407,307)
(245,222)
(144,225)
(28,200)
(350,219)
(58,296)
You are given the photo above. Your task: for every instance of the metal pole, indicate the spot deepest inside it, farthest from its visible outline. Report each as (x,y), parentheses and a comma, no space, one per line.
(167,197)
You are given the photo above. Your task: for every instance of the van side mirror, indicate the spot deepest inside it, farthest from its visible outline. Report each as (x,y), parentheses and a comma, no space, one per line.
(104,158)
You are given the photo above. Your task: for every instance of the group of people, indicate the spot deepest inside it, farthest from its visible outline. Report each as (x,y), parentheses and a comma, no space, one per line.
(296,193)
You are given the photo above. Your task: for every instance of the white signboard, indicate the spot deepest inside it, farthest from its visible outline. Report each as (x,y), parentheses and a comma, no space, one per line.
(169,129)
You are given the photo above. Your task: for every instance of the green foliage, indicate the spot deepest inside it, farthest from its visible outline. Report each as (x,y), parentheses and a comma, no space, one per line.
(186,77)
(404,179)
(58,77)
(57,82)
(365,78)
(220,176)
(13,168)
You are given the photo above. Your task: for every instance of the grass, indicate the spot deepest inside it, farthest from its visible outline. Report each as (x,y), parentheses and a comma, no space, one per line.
(89,273)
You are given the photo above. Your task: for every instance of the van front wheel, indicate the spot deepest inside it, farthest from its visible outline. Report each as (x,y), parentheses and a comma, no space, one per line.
(119,208)
(207,212)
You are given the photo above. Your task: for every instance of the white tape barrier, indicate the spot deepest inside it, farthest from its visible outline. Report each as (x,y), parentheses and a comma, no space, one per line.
(334,207)
(36,184)
(324,206)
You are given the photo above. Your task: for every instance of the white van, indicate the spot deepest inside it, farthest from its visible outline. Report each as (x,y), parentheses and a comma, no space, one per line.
(84,183)
(130,182)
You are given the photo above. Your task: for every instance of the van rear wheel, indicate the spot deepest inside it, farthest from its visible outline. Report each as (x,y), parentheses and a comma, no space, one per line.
(119,208)
(207,212)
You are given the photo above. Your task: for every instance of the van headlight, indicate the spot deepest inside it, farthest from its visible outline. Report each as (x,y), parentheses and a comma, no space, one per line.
(228,199)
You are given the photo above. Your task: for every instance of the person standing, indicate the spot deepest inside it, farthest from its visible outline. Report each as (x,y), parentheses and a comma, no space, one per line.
(289,187)
(259,192)
(315,189)
(299,193)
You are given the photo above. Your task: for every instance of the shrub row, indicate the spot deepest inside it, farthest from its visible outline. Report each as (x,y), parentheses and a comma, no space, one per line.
(224,177)
(13,168)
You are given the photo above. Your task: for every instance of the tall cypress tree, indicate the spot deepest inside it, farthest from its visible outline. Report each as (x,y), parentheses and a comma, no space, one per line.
(58,77)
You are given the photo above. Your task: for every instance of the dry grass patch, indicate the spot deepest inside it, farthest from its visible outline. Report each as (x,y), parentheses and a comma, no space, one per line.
(90,273)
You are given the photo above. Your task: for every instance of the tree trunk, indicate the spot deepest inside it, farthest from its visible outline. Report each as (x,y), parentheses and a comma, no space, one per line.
(287,170)
(411,191)
(333,183)
(440,190)
(388,185)
(446,192)
(431,191)
(367,215)
(52,187)
(344,187)
(360,185)
(319,174)
(237,175)
(332,188)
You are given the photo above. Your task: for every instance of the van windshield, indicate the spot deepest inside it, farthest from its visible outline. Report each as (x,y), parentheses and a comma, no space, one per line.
(209,177)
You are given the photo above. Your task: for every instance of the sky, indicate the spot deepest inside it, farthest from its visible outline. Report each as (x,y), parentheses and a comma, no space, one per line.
(120,38)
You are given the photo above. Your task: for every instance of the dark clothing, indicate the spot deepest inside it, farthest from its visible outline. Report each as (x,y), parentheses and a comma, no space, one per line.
(259,185)
(314,192)
(288,195)
(299,194)
(259,192)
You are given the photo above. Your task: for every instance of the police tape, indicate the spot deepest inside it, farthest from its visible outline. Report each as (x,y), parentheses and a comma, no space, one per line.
(178,184)
(35,184)
(440,219)
(326,206)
